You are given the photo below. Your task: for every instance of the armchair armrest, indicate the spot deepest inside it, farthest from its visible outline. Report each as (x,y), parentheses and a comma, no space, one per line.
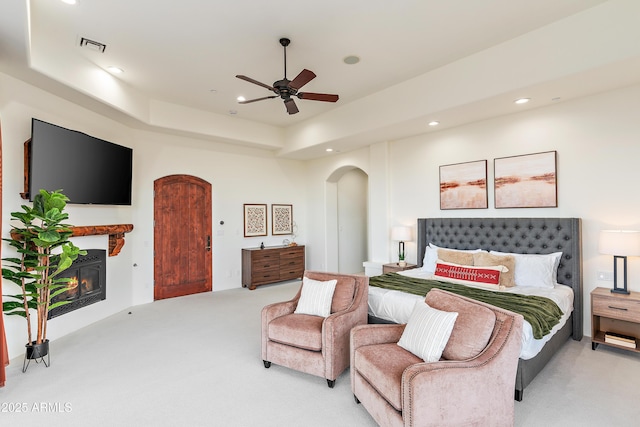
(372,334)
(376,334)
(278,309)
(336,332)
(270,312)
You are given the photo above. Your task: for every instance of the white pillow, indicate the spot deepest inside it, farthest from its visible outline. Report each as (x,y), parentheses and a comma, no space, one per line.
(427,332)
(536,270)
(316,296)
(431,256)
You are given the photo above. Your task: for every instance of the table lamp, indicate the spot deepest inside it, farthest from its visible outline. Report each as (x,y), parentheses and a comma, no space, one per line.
(620,244)
(401,234)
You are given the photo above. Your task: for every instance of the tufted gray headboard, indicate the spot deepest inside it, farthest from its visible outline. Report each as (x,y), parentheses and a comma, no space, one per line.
(519,235)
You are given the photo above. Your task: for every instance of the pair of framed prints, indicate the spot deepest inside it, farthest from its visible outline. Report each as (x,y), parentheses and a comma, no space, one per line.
(527,181)
(255,219)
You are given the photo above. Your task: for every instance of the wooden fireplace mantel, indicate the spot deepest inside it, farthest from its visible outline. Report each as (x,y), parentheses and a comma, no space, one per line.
(116,234)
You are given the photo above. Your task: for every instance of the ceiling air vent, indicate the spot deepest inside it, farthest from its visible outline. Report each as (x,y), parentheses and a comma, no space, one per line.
(93,45)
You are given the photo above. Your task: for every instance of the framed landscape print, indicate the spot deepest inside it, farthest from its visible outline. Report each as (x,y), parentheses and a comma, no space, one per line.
(255,220)
(464,186)
(527,181)
(281,219)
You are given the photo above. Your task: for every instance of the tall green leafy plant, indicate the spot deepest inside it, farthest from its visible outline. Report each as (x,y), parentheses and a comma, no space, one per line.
(36,269)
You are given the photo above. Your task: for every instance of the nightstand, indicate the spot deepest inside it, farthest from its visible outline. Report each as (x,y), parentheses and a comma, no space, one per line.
(616,313)
(393,267)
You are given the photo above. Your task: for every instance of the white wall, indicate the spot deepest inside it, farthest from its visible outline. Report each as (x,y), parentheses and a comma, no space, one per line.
(597,139)
(352,221)
(237,176)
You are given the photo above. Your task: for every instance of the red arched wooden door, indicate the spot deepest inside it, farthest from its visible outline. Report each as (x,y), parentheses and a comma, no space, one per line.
(182,236)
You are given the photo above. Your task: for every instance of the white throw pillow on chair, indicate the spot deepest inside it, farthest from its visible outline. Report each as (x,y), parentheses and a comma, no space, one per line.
(427,332)
(316,296)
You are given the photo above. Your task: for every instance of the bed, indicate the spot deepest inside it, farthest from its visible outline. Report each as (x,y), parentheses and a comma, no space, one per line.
(512,235)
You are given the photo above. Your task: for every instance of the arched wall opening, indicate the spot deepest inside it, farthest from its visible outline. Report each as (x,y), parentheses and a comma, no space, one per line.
(346,196)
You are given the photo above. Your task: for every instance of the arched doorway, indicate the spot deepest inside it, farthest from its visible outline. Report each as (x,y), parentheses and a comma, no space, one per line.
(182,236)
(347,220)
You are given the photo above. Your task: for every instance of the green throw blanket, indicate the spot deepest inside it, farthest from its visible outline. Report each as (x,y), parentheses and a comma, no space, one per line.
(541,312)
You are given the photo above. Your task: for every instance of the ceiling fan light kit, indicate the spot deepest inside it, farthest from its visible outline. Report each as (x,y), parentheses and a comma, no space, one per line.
(286,89)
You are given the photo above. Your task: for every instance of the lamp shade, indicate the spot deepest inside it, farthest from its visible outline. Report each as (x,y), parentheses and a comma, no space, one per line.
(619,242)
(401,233)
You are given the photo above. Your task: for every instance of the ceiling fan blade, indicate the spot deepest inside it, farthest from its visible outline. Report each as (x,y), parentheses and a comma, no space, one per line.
(317,96)
(302,79)
(257,99)
(255,82)
(292,108)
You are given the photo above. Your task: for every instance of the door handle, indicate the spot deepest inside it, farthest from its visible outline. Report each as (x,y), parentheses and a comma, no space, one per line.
(208,247)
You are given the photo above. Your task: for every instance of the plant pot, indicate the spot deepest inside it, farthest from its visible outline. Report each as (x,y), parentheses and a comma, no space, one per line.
(402,263)
(36,352)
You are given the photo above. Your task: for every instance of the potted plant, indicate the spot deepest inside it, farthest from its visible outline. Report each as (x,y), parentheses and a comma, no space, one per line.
(401,261)
(36,269)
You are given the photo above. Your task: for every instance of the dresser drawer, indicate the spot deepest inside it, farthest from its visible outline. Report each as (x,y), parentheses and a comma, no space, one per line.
(287,263)
(292,252)
(265,255)
(265,276)
(290,274)
(616,308)
(265,264)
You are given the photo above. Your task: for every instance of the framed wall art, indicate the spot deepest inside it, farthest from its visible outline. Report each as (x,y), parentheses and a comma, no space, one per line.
(255,220)
(464,186)
(281,219)
(527,181)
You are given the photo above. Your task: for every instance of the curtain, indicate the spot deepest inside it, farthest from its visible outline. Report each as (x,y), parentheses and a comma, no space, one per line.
(4,353)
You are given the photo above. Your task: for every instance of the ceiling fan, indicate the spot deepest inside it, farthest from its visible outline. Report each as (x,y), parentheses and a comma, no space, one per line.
(286,88)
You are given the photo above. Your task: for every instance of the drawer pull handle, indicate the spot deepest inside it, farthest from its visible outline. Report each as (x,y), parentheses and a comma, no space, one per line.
(618,308)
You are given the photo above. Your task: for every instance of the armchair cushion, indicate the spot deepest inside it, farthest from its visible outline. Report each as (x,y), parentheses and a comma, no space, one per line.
(299,330)
(427,332)
(382,366)
(473,327)
(316,297)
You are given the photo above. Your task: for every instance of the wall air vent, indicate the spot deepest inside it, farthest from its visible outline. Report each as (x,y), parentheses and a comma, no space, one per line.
(93,45)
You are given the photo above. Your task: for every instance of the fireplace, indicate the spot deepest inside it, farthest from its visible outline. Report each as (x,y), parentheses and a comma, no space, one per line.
(89,284)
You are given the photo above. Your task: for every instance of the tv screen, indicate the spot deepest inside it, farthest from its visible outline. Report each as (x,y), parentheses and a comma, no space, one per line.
(88,170)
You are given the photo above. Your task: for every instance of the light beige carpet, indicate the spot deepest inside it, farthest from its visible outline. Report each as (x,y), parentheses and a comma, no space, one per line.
(196,361)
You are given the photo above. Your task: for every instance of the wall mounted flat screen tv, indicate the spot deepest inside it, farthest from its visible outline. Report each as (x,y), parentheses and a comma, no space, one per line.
(88,170)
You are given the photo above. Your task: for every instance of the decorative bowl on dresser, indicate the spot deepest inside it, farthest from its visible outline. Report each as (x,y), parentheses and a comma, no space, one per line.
(271,264)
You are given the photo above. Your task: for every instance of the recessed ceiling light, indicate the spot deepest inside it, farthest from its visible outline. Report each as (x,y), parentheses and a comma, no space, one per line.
(329,150)
(351,59)
(522,100)
(213,90)
(115,70)
(69,1)
(434,123)
(233,112)
(241,99)
(557,98)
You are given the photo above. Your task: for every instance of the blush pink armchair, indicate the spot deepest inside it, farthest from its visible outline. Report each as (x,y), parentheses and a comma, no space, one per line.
(313,344)
(472,384)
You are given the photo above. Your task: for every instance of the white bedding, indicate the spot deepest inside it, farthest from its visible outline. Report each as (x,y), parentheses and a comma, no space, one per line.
(396,306)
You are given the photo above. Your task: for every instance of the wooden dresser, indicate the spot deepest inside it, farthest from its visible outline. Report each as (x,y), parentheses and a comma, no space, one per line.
(271,264)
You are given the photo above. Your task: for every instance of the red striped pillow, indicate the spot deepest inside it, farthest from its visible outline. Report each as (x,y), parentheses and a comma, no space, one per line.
(469,275)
